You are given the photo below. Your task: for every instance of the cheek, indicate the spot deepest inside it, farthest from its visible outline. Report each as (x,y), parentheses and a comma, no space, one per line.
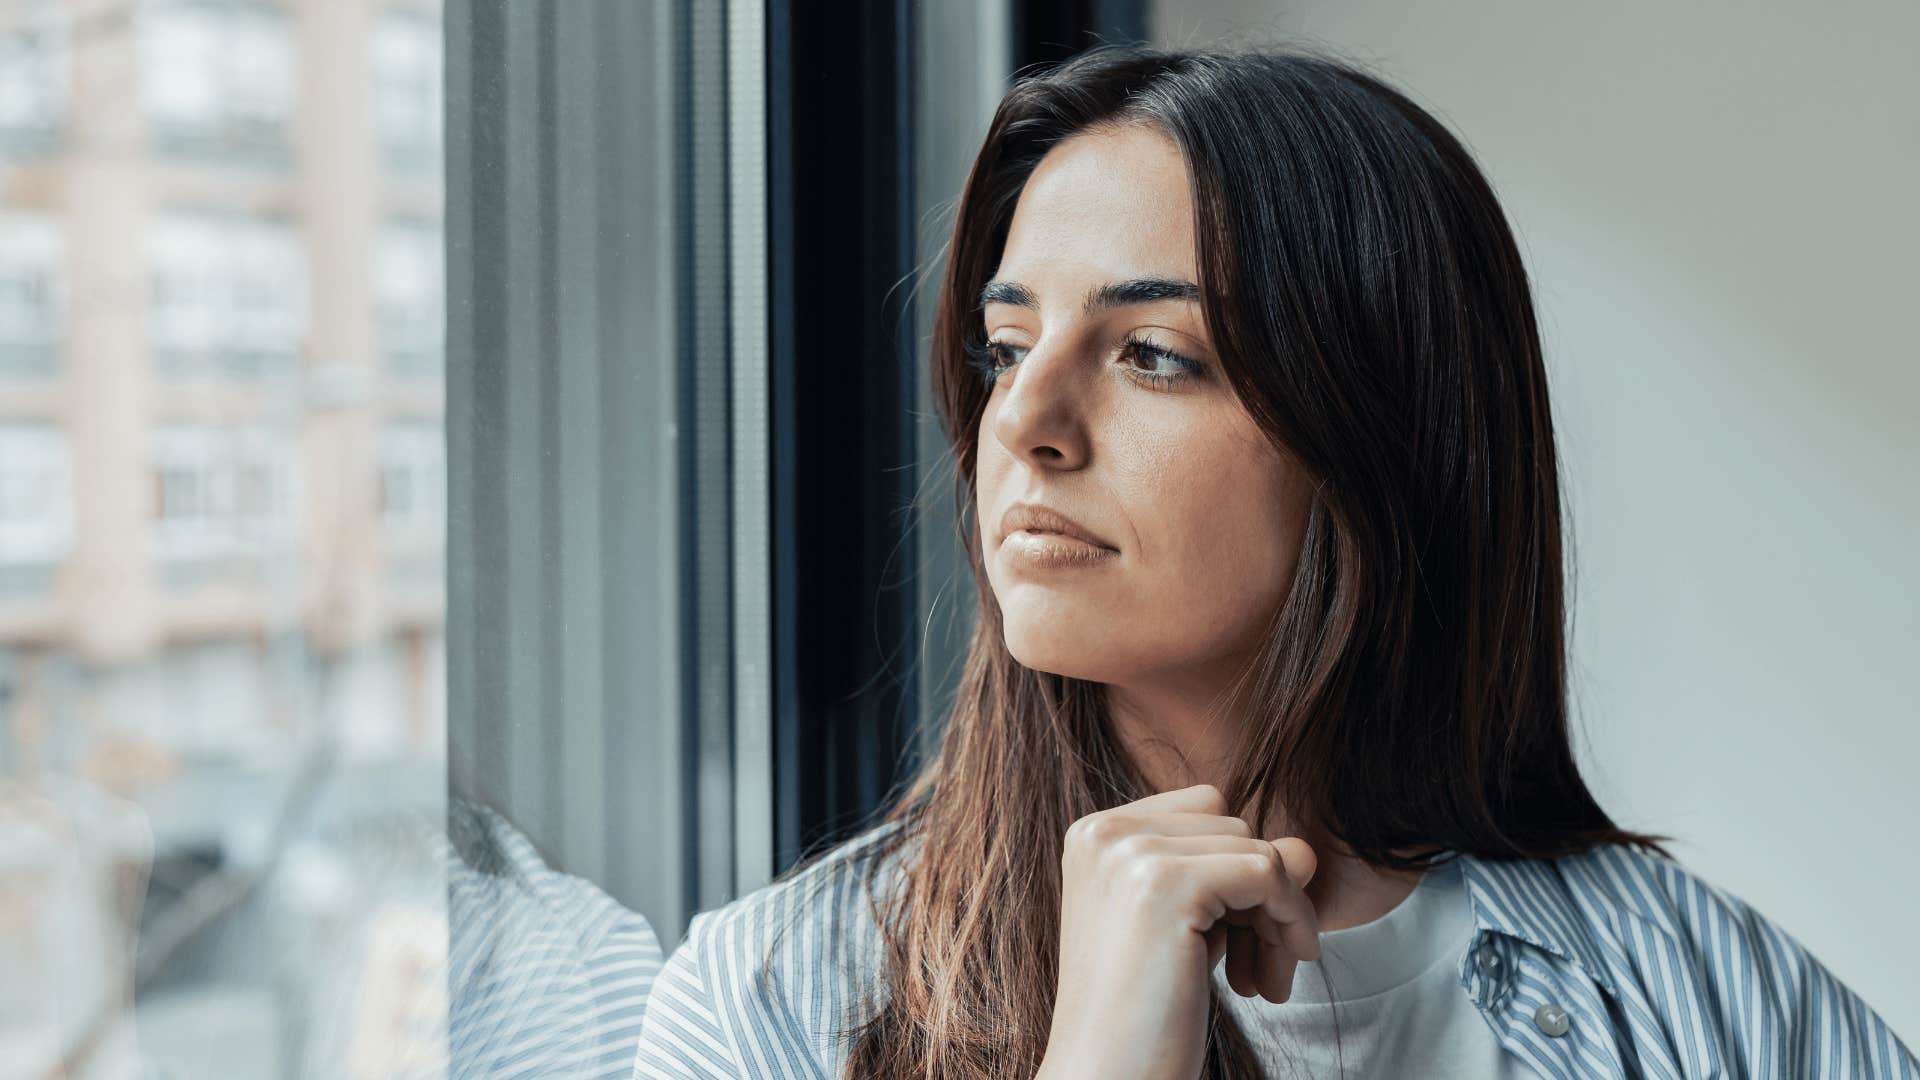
(989,472)
(992,471)
(1222,531)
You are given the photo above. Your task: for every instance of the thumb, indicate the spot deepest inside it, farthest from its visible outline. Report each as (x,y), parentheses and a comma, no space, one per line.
(1298,857)
(1216,936)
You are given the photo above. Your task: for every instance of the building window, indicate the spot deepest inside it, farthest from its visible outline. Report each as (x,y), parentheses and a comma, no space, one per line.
(407,80)
(410,295)
(412,489)
(30,295)
(33,79)
(36,495)
(219,78)
(221,492)
(229,296)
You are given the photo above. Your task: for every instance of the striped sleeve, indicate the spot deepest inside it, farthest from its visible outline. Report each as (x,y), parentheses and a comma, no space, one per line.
(680,1035)
(1783,1011)
(547,975)
(1829,1030)
(770,984)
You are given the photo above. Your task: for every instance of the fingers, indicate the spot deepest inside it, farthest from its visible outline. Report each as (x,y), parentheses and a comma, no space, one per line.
(1253,874)
(1300,859)
(1200,844)
(1187,823)
(1113,826)
(1301,932)
(1256,962)
(1216,944)
(1199,799)
(1274,968)
(1246,876)
(1255,886)
(1262,951)
(1243,959)
(1242,893)
(1254,880)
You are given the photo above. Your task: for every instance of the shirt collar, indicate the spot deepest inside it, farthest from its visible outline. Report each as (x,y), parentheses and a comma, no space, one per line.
(1528,899)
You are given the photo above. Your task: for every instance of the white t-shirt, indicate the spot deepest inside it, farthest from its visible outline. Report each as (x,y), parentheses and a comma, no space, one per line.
(1392,987)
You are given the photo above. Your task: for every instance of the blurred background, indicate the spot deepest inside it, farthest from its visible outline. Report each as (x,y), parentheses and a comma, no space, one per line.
(405,404)
(222,529)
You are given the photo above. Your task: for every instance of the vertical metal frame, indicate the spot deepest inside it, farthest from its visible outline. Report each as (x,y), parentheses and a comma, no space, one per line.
(707,465)
(753,776)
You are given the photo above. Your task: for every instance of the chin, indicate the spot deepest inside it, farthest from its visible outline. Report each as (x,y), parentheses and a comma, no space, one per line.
(1056,651)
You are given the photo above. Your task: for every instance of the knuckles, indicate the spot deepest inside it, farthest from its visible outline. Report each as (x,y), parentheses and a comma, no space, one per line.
(1150,875)
(1130,848)
(1113,848)
(1096,832)
(1216,803)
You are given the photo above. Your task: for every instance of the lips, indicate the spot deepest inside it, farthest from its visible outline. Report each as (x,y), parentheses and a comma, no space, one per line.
(1035,518)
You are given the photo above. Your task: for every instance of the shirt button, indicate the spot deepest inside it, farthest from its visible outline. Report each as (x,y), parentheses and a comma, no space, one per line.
(1487,960)
(1551,1019)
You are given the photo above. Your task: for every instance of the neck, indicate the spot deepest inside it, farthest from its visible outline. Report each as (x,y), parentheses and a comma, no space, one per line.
(1179,736)
(1181,728)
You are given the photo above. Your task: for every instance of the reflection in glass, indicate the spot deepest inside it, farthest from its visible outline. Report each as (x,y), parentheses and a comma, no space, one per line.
(222,539)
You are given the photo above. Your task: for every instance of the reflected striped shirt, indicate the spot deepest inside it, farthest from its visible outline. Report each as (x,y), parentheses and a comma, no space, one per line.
(1617,962)
(547,975)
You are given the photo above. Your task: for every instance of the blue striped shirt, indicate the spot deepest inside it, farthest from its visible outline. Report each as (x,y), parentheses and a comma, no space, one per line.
(1614,963)
(547,975)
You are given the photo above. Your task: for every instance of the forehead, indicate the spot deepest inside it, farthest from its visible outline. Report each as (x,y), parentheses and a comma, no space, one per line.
(1106,204)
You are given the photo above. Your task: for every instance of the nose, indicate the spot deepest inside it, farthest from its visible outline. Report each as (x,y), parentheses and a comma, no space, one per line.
(1041,414)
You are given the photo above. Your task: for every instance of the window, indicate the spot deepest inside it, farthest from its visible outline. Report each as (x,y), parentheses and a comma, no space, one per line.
(321,411)
(221,491)
(222,669)
(409,272)
(36,497)
(656,513)
(33,79)
(31,304)
(413,498)
(229,295)
(407,80)
(219,78)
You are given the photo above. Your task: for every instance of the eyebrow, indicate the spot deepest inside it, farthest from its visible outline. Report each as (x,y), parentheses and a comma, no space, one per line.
(1111,295)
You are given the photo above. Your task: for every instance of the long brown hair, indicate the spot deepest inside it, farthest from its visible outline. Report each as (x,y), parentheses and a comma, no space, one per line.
(1370,308)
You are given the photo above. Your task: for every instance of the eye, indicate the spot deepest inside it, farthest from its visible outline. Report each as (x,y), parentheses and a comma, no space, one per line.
(1144,349)
(989,358)
(992,358)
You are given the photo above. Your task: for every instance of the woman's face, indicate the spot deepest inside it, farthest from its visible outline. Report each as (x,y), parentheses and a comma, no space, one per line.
(1203,515)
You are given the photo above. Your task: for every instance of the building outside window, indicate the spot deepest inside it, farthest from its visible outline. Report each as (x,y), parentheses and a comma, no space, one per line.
(229,295)
(33,79)
(407,98)
(219,78)
(222,491)
(410,290)
(31,299)
(221,714)
(36,505)
(413,486)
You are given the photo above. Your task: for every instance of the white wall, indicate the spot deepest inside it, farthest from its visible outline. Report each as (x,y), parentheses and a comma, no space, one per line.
(1718,203)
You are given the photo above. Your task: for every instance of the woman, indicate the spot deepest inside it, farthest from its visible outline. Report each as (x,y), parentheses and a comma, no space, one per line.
(1260,761)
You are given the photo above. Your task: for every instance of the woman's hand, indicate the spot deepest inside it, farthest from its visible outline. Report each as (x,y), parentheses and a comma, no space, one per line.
(1153,893)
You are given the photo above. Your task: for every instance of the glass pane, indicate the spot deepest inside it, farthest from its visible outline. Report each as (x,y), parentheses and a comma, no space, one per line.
(222,539)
